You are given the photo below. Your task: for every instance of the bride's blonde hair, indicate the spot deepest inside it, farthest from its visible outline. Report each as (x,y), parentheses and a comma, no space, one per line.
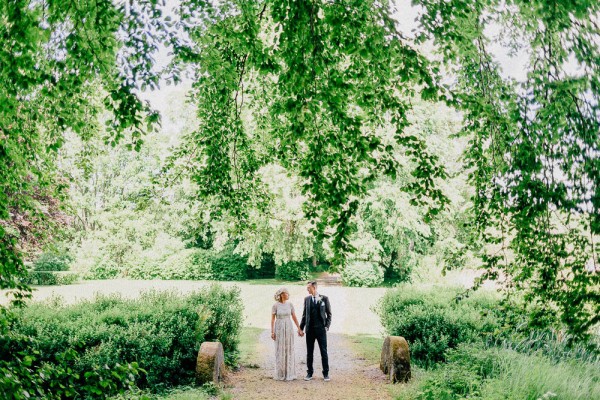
(280,292)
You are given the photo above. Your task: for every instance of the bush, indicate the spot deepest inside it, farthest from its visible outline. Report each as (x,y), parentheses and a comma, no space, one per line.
(222,315)
(105,269)
(162,332)
(51,278)
(228,266)
(201,263)
(51,261)
(431,331)
(362,274)
(401,269)
(266,269)
(24,374)
(433,322)
(190,264)
(293,271)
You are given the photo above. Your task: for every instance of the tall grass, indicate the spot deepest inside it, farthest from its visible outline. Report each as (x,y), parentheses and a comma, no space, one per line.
(534,376)
(475,372)
(554,345)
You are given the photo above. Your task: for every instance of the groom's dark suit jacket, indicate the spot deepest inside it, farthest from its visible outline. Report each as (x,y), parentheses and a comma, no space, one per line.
(324,311)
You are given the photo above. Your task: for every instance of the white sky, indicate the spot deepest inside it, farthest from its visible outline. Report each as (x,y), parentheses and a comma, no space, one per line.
(512,66)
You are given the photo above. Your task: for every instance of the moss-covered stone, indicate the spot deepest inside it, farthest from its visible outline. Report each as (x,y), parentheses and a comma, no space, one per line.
(395,359)
(210,365)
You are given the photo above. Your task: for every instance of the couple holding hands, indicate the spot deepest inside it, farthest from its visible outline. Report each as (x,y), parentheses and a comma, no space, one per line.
(316,318)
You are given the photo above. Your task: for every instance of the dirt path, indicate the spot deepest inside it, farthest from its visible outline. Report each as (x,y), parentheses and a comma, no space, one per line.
(351,377)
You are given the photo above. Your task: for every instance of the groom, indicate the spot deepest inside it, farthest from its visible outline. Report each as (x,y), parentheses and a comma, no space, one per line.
(316,317)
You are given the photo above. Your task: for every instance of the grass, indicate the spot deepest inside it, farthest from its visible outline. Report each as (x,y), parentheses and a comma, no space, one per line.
(248,351)
(477,372)
(312,275)
(367,347)
(187,394)
(535,376)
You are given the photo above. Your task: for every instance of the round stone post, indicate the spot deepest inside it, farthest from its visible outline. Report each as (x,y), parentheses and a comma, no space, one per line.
(395,359)
(210,365)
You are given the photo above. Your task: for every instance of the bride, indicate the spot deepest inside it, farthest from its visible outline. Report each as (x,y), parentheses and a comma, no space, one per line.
(282,332)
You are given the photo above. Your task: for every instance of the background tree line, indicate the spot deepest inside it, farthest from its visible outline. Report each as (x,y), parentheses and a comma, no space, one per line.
(128,218)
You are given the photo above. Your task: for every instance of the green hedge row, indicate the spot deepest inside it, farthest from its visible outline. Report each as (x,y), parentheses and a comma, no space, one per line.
(51,278)
(157,336)
(201,264)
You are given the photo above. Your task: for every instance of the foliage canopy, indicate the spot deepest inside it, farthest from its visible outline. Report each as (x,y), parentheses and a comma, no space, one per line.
(534,146)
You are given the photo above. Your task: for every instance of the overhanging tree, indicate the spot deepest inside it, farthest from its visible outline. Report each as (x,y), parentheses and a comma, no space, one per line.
(534,154)
(54,56)
(318,80)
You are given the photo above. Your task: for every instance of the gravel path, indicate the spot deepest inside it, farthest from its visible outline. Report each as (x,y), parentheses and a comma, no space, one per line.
(351,377)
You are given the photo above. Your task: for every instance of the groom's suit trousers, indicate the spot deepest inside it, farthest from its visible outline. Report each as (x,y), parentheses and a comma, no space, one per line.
(315,330)
(319,334)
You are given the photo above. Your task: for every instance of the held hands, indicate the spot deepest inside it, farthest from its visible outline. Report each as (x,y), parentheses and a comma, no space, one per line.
(273,335)
(300,332)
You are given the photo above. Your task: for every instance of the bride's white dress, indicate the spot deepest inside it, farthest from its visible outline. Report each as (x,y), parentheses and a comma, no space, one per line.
(285,358)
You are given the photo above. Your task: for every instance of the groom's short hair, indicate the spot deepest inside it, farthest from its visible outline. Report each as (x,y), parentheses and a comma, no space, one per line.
(312,283)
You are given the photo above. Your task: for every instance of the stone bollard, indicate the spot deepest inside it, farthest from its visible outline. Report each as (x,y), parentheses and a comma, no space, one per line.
(210,365)
(395,359)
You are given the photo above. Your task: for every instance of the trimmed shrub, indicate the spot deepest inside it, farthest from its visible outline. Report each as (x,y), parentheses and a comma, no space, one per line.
(362,274)
(160,331)
(228,266)
(51,261)
(293,271)
(51,278)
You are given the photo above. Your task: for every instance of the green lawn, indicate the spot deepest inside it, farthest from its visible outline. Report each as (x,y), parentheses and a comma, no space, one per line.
(247,348)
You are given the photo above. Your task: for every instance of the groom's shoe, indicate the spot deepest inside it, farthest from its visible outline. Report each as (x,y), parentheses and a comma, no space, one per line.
(308,377)
(326,378)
